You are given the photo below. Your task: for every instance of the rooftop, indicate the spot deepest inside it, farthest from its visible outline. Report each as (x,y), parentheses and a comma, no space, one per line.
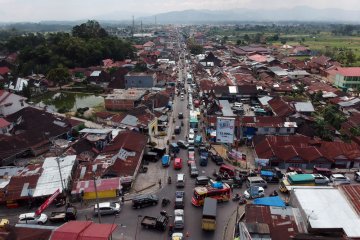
(349,71)
(316,204)
(127,94)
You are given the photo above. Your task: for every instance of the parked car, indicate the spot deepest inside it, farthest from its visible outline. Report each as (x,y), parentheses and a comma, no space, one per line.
(320,179)
(202,180)
(323,171)
(254,192)
(179,199)
(180,115)
(194,172)
(107,208)
(145,200)
(32,218)
(339,179)
(182,144)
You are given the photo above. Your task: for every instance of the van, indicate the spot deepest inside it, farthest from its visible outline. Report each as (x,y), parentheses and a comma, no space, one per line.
(177,130)
(323,171)
(180,180)
(256,181)
(202,180)
(165,160)
(151,157)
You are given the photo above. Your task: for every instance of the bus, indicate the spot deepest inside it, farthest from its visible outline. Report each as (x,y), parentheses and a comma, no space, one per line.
(209,214)
(194,124)
(296,180)
(217,190)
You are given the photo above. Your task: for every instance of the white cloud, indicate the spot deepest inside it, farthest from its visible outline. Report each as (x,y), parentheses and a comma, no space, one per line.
(35,10)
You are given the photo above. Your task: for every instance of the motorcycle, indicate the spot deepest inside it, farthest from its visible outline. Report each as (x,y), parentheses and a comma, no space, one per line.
(242,201)
(165,202)
(236,198)
(169,180)
(273,194)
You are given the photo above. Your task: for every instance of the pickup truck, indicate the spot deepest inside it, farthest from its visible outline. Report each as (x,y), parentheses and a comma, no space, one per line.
(158,223)
(69,214)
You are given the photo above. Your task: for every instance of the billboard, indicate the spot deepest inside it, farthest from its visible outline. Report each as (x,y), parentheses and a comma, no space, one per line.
(225,130)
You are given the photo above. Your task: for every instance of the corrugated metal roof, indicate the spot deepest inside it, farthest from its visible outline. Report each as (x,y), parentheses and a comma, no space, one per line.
(49,180)
(70,230)
(97,231)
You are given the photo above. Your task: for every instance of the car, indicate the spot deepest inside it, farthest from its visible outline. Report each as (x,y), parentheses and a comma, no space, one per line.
(191,155)
(339,179)
(202,180)
(177,130)
(191,131)
(194,172)
(180,115)
(179,199)
(107,208)
(217,159)
(177,163)
(4,222)
(253,108)
(182,144)
(320,179)
(145,200)
(177,236)
(182,97)
(179,219)
(180,180)
(191,138)
(32,218)
(258,192)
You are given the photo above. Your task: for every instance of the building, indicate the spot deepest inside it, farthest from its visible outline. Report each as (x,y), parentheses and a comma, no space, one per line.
(122,99)
(348,77)
(140,80)
(11,103)
(106,188)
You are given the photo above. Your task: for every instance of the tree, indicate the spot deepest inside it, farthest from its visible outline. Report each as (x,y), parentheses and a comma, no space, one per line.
(59,76)
(246,38)
(26,91)
(90,29)
(283,41)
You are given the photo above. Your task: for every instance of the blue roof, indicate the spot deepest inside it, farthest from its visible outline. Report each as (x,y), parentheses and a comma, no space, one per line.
(270,201)
(266,173)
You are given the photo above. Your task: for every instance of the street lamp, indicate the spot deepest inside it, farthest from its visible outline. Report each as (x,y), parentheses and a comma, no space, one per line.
(137,225)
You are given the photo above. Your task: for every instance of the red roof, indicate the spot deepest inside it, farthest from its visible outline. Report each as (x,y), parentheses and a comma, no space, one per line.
(18,185)
(3,123)
(70,230)
(4,70)
(350,71)
(97,231)
(101,184)
(280,107)
(258,58)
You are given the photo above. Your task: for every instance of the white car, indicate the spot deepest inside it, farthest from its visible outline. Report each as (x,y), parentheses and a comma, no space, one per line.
(107,208)
(182,98)
(31,218)
(259,194)
(179,219)
(339,179)
(177,236)
(320,179)
(191,138)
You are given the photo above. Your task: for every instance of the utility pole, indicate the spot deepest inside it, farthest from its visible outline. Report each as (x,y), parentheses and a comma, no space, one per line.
(141,27)
(97,198)
(133,25)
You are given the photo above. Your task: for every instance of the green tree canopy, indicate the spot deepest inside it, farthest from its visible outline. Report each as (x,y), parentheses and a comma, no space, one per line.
(59,76)
(90,29)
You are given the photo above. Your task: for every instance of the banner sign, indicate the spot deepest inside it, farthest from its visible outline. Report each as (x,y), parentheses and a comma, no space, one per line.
(225,130)
(47,202)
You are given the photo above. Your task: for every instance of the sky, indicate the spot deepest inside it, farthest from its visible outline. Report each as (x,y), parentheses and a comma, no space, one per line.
(38,10)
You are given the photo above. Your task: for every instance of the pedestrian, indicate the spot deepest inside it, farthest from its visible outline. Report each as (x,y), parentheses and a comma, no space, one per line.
(159,183)
(122,199)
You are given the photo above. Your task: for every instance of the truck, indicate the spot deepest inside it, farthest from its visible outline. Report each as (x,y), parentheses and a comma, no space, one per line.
(70,213)
(209,214)
(158,223)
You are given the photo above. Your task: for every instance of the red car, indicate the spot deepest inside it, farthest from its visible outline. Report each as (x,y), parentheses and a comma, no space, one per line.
(191,158)
(177,163)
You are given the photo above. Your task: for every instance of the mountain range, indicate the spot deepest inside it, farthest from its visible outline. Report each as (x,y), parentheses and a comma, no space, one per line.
(300,13)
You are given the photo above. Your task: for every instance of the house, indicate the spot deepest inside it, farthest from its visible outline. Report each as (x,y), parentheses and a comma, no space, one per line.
(348,77)
(18,84)
(280,108)
(304,152)
(122,99)
(31,133)
(210,61)
(101,78)
(148,46)
(117,80)
(11,103)
(124,154)
(106,188)
(56,175)
(301,51)
(305,108)
(140,80)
